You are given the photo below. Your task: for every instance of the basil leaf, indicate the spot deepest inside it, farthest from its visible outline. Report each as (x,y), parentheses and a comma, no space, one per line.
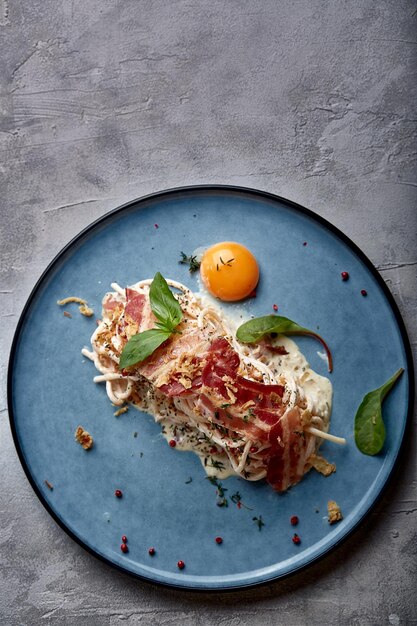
(167,310)
(163,304)
(369,426)
(254,330)
(141,346)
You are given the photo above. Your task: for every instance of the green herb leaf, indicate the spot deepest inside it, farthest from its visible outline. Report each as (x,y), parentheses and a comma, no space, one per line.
(141,346)
(168,311)
(216,464)
(259,521)
(369,426)
(163,304)
(254,330)
(191,261)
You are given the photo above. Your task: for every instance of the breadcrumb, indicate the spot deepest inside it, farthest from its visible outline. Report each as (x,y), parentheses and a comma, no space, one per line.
(66,314)
(83,308)
(48,484)
(71,299)
(321,465)
(334,514)
(84,438)
(123,409)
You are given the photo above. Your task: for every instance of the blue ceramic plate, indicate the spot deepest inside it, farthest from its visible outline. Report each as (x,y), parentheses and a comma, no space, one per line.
(167,502)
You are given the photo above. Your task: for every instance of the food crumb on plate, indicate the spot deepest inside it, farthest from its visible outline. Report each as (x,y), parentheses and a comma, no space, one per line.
(83,308)
(334,514)
(321,465)
(123,409)
(86,311)
(84,438)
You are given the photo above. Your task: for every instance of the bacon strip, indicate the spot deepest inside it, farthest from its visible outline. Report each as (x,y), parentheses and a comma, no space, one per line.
(135,305)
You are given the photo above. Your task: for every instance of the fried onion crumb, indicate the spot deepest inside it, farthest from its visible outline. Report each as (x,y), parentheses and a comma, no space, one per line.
(85,310)
(71,299)
(123,409)
(334,514)
(321,465)
(84,438)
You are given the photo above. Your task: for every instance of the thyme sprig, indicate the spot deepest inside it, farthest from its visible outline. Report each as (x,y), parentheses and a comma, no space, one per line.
(220,491)
(236,498)
(216,464)
(191,261)
(259,521)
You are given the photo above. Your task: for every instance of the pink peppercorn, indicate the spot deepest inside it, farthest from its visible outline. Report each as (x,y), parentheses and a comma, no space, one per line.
(275,307)
(364,292)
(118,493)
(218,540)
(181,564)
(151,551)
(172,443)
(345,276)
(124,548)
(294,520)
(124,538)
(296,539)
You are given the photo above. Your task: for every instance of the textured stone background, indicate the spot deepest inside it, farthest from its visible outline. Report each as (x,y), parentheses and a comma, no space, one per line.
(103,101)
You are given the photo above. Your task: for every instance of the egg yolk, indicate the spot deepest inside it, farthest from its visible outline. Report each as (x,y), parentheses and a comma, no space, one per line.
(229,271)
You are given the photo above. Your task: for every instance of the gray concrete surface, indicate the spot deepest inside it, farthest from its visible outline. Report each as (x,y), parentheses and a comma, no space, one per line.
(103,101)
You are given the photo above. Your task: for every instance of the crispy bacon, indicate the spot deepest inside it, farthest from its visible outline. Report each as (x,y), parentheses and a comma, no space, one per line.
(176,388)
(276,349)
(283,429)
(110,304)
(135,305)
(229,420)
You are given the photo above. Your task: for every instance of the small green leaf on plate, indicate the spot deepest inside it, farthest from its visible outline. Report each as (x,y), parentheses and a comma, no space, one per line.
(369,425)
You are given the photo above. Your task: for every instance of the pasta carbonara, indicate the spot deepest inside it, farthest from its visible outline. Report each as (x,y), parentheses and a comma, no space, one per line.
(255,411)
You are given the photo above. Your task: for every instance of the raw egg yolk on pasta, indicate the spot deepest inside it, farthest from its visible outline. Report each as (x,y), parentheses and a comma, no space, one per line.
(229,271)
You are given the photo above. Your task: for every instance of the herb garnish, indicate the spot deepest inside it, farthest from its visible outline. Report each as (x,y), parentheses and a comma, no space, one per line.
(226,263)
(167,310)
(248,415)
(220,491)
(255,329)
(259,521)
(237,499)
(191,261)
(369,426)
(216,464)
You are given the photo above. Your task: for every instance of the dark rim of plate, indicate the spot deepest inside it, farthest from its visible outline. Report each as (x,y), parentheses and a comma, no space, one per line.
(230,190)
